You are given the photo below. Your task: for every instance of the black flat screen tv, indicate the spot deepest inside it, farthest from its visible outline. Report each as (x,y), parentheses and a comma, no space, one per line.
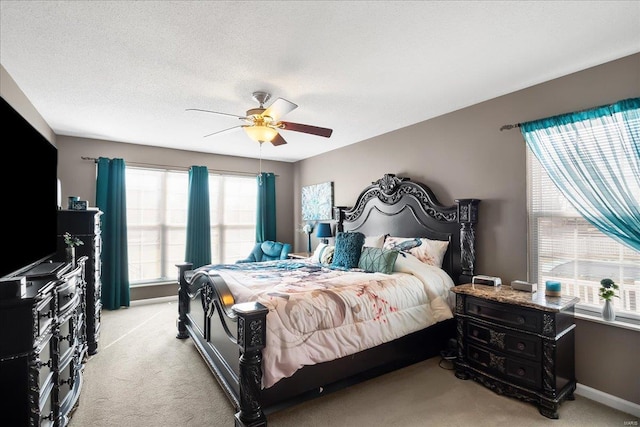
(29,195)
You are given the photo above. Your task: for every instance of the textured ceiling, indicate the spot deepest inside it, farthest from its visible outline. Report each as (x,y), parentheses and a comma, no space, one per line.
(127,70)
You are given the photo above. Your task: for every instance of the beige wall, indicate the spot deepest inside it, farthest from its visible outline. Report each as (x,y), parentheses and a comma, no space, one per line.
(461,154)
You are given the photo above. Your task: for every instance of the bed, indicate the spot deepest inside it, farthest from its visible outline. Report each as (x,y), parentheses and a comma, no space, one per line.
(238,316)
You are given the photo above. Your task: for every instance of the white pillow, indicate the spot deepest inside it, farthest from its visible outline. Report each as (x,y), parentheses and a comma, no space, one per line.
(317,254)
(427,251)
(374,241)
(327,255)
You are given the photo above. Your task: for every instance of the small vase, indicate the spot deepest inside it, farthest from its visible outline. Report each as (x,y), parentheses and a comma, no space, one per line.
(608,312)
(71,256)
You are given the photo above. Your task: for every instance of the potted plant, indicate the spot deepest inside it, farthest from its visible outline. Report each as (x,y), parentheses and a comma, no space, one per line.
(607,291)
(72,242)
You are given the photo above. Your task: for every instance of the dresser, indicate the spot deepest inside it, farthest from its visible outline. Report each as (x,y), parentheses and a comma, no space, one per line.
(86,225)
(42,349)
(517,343)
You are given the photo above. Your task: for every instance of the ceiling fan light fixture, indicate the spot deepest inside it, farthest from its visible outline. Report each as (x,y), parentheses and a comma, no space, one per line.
(261,133)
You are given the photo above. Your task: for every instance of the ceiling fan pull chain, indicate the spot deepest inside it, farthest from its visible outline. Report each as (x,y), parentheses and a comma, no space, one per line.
(260,163)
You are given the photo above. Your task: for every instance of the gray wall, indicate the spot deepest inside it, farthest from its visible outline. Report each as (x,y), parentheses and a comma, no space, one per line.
(78,175)
(461,154)
(464,154)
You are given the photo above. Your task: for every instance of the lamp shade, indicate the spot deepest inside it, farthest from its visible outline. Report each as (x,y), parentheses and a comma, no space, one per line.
(260,133)
(324,230)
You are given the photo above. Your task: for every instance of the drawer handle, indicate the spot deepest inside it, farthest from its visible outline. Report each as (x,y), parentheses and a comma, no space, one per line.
(521,346)
(475,332)
(67,338)
(47,314)
(521,371)
(68,296)
(49,417)
(68,381)
(475,355)
(520,320)
(39,364)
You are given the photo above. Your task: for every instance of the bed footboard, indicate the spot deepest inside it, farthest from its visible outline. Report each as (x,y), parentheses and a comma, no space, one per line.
(243,386)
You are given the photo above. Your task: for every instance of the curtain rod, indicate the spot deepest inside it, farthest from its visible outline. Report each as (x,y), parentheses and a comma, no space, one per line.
(517,125)
(509,127)
(185,168)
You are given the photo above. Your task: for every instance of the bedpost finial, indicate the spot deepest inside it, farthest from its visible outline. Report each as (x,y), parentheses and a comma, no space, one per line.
(389,182)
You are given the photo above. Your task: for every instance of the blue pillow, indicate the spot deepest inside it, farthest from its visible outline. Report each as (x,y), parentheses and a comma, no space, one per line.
(348,249)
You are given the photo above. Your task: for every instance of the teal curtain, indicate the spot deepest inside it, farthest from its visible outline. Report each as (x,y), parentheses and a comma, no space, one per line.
(111,200)
(266,212)
(198,247)
(593,157)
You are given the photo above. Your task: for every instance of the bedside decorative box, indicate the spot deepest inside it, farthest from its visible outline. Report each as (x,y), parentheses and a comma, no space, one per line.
(521,285)
(486,280)
(78,205)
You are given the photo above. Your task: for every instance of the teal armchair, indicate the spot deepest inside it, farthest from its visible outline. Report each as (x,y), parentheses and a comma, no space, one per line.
(268,251)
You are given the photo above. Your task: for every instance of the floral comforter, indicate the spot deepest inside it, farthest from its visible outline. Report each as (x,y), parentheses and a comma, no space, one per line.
(317,314)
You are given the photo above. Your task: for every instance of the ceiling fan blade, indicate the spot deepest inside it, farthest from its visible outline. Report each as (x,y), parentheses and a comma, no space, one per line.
(279,108)
(278,140)
(223,130)
(314,130)
(216,112)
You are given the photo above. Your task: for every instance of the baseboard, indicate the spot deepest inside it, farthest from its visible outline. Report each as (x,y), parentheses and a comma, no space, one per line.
(608,400)
(171,298)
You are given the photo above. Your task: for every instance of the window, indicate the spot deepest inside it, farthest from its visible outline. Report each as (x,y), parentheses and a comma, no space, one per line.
(563,246)
(157,220)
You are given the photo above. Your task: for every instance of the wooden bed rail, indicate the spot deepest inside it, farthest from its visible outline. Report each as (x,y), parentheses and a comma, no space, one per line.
(251,335)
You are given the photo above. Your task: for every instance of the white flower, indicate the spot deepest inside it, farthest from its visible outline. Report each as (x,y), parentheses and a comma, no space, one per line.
(307,228)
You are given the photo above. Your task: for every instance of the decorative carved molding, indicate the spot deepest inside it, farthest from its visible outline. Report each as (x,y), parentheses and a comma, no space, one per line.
(459,304)
(252,318)
(257,333)
(468,250)
(497,338)
(504,388)
(548,366)
(460,339)
(497,362)
(183,300)
(390,188)
(548,324)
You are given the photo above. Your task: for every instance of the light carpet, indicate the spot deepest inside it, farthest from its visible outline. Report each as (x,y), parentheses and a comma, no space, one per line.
(143,376)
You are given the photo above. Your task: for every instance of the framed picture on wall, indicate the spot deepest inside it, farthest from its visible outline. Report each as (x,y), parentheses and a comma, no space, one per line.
(317,201)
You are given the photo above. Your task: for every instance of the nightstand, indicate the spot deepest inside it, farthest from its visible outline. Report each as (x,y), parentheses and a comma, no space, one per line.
(299,255)
(517,343)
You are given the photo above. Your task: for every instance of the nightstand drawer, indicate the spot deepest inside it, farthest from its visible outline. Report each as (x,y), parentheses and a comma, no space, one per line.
(507,315)
(517,370)
(510,342)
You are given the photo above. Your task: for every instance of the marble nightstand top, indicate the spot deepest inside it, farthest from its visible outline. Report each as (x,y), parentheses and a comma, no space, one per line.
(508,295)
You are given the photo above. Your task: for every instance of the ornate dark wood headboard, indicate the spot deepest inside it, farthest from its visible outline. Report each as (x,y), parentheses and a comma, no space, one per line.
(400,207)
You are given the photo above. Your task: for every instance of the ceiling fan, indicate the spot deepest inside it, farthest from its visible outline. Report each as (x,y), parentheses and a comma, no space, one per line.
(263,123)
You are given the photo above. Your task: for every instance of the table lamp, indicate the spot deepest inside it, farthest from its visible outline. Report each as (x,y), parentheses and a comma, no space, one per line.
(324,231)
